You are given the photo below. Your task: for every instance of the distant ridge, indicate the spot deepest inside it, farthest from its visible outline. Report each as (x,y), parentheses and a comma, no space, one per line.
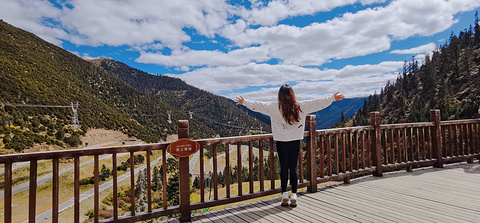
(216,112)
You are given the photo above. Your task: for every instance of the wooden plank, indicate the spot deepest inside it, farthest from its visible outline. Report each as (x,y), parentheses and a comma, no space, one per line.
(32,199)
(76,182)
(227,216)
(331,213)
(350,152)
(260,164)
(385,147)
(269,211)
(322,157)
(273,206)
(417,144)
(55,187)
(329,155)
(164,177)
(437,211)
(215,173)
(115,193)
(149,182)
(369,149)
(272,167)
(239,168)
(356,156)
(364,211)
(391,204)
(405,145)
(96,192)
(202,174)
(399,149)
(337,168)
(392,150)
(227,166)
(344,155)
(455,141)
(371,207)
(8,192)
(362,144)
(132,183)
(243,214)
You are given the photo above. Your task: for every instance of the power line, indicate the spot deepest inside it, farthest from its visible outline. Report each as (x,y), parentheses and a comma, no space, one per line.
(40,106)
(74,107)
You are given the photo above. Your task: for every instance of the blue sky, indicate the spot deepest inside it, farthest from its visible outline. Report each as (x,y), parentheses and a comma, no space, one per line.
(250,48)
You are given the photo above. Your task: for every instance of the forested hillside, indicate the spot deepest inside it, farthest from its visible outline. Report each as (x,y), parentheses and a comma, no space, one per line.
(37,73)
(216,112)
(448,80)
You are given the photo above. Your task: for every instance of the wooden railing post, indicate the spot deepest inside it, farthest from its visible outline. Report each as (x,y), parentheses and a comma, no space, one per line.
(311,153)
(436,138)
(185,212)
(376,143)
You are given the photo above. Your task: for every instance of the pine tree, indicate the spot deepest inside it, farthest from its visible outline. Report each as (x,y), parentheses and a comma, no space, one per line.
(196,183)
(343,117)
(104,173)
(173,187)
(140,191)
(156,179)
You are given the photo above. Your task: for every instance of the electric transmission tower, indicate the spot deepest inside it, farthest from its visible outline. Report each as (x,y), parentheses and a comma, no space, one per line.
(75,122)
(169,113)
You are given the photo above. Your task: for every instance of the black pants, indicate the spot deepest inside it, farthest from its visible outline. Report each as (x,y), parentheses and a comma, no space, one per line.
(288,154)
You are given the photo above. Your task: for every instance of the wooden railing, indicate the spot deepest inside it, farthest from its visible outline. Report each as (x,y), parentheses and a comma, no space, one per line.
(330,155)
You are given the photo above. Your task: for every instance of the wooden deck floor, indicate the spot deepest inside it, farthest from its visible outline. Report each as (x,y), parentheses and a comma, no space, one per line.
(449,194)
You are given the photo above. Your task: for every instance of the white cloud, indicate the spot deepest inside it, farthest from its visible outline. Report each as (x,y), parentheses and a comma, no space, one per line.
(353,80)
(353,34)
(131,22)
(29,15)
(277,10)
(427,48)
(369,2)
(206,57)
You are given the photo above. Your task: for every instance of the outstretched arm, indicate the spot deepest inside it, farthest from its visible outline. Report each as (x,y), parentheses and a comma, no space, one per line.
(317,104)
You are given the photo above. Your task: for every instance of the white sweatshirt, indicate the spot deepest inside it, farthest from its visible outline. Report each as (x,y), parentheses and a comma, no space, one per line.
(282,131)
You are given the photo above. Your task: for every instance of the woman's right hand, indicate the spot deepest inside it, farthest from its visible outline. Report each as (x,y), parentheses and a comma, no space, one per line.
(338,97)
(239,100)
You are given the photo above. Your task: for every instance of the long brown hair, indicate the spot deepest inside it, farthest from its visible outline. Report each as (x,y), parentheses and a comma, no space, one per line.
(288,105)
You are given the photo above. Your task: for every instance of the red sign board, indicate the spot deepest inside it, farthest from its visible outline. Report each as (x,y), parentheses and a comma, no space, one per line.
(183,147)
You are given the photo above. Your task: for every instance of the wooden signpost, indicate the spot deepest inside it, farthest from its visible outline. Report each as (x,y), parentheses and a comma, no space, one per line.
(183,148)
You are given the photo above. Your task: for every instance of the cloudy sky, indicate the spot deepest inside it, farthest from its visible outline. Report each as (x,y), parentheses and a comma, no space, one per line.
(251,48)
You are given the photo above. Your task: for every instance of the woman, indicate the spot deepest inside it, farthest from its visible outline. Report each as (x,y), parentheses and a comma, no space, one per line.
(287,118)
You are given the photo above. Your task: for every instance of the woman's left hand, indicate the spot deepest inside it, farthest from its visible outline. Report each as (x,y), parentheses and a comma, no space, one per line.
(239,100)
(338,97)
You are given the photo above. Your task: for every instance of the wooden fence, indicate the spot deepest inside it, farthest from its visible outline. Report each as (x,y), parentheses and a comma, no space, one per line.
(330,155)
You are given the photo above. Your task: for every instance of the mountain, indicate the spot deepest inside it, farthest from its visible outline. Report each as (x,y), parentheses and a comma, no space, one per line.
(36,76)
(448,80)
(216,112)
(331,115)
